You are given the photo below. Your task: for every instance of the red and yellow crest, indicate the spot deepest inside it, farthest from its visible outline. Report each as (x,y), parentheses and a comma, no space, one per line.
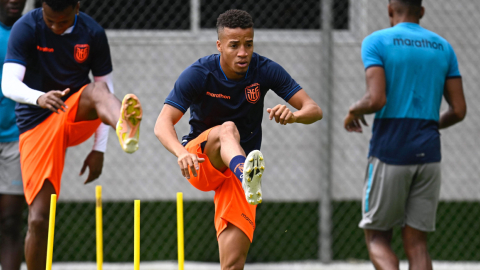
(252,92)
(81,52)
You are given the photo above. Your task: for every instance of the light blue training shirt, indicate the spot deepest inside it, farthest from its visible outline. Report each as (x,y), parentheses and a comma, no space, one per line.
(8,127)
(417,62)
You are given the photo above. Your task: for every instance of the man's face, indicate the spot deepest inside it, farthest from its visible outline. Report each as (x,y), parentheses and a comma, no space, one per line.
(12,9)
(59,21)
(236,48)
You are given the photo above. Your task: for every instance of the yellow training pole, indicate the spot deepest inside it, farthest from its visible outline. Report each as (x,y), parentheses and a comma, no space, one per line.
(136,252)
(99,223)
(181,254)
(51,230)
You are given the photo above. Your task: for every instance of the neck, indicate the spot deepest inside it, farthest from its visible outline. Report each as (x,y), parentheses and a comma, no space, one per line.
(7,21)
(405,18)
(230,74)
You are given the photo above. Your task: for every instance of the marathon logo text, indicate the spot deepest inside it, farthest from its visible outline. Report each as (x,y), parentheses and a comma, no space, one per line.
(248,219)
(45,49)
(218,95)
(417,43)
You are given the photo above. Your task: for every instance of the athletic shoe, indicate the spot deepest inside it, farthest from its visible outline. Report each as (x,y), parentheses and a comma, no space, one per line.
(252,177)
(128,126)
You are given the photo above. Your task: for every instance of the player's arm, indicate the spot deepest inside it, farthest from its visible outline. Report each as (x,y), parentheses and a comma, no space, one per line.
(21,44)
(457,107)
(373,100)
(308,111)
(165,132)
(14,88)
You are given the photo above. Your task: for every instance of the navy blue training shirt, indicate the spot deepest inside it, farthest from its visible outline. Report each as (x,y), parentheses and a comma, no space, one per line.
(56,62)
(213,99)
(417,62)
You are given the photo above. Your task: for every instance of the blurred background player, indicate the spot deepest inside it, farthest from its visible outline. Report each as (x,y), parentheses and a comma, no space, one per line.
(225,93)
(50,54)
(11,188)
(408,69)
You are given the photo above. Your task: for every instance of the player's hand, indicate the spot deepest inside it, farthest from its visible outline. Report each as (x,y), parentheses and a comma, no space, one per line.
(282,114)
(94,162)
(352,122)
(188,160)
(53,100)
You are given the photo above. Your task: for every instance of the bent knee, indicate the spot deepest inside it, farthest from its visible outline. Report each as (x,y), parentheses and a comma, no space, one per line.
(100,85)
(95,88)
(229,129)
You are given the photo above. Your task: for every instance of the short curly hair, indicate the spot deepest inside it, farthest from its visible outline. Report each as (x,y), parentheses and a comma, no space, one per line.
(414,7)
(234,18)
(60,5)
(417,3)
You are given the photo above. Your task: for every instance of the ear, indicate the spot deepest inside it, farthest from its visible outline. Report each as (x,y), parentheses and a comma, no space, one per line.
(390,11)
(422,12)
(219,45)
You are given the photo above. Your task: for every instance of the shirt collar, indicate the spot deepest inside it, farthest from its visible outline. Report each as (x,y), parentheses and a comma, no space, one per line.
(70,29)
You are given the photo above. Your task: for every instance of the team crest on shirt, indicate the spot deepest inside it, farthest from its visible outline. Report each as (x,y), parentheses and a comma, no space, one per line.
(252,92)
(81,52)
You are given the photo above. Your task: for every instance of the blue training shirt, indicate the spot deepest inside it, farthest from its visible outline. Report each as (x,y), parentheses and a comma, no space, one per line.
(416,62)
(56,62)
(8,128)
(213,99)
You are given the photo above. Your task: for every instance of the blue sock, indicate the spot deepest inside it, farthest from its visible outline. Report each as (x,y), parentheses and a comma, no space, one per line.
(236,166)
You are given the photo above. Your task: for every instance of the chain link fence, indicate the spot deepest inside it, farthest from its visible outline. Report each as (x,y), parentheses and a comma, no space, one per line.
(313,185)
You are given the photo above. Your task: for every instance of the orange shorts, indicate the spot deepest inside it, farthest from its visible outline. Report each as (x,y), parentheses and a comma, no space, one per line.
(230,203)
(43,148)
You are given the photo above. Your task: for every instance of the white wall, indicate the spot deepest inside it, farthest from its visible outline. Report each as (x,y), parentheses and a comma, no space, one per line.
(148,63)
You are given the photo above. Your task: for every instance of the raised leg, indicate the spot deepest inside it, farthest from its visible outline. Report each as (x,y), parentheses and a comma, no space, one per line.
(223,144)
(415,245)
(380,251)
(37,234)
(233,246)
(95,102)
(11,245)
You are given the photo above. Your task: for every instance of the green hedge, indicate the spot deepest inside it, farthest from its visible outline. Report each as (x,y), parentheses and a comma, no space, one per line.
(285,232)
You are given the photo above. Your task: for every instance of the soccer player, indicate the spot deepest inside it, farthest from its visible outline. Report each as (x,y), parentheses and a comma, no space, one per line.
(11,189)
(225,93)
(50,54)
(408,69)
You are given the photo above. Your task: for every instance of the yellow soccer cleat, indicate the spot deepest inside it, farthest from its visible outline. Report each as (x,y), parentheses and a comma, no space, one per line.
(128,126)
